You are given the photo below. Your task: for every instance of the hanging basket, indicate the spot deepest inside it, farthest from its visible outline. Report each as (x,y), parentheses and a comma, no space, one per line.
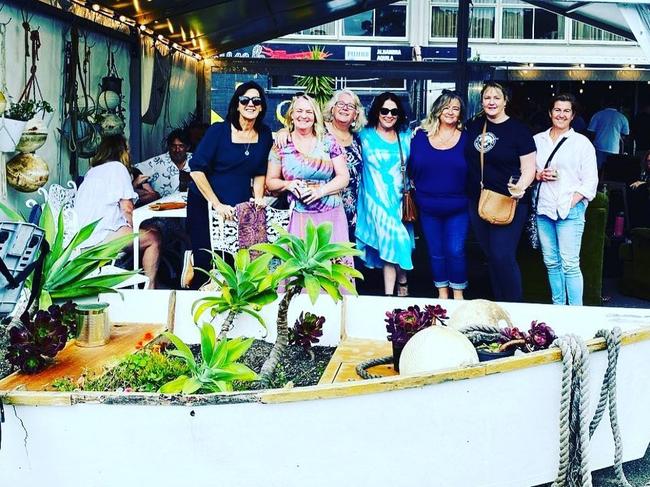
(112,83)
(10,133)
(27,172)
(33,137)
(109,100)
(88,148)
(111,124)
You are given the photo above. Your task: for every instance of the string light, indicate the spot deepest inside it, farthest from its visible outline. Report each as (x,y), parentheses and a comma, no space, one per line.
(142,27)
(581,91)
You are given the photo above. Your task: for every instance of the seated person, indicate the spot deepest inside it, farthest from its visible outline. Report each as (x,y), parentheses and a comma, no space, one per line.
(106,194)
(168,173)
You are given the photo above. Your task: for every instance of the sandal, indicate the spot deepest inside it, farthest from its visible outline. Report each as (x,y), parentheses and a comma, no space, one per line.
(402,289)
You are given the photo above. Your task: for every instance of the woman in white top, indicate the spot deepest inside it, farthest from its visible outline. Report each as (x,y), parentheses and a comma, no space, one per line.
(106,194)
(567,183)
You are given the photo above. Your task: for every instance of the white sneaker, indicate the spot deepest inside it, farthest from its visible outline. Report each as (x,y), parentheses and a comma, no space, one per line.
(187,274)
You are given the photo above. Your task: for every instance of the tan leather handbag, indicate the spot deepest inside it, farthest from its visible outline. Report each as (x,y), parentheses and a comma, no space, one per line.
(494,207)
(409,210)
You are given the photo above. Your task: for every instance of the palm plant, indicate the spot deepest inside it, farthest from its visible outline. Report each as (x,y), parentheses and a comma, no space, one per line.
(68,277)
(308,263)
(243,288)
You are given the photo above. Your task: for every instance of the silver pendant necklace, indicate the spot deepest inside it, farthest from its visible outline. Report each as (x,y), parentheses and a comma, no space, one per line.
(246,152)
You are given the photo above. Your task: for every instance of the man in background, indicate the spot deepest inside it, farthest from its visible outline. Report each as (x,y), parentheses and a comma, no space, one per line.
(608,127)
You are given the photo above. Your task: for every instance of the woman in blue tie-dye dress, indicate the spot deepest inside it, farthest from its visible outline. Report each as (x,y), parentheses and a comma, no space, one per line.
(385,241)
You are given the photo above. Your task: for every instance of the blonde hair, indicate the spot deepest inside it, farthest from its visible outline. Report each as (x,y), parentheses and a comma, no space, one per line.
(359,122)
(431,124)
(112,148)
(319,126)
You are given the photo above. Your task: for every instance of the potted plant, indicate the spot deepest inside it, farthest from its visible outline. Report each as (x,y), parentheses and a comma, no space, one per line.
(402,324)
(309,263)
(16,118)
(243,289)
(540,336)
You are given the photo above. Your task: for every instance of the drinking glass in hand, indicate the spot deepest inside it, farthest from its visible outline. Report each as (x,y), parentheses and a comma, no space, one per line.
(513,189)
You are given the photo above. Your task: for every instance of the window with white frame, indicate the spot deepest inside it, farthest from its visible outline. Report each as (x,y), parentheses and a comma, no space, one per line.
(320,30)
(389,21)
(585,32)
(444,14)
(520,20)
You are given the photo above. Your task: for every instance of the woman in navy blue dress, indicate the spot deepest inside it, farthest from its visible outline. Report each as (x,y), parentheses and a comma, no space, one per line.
(438,169)
(230,156)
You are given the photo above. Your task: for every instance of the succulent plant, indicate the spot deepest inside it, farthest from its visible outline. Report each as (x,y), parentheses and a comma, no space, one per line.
(307,330)
(402,324)
(540,336)
(36,340)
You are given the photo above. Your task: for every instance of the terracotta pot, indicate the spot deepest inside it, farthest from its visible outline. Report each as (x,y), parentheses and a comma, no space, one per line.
(27,172)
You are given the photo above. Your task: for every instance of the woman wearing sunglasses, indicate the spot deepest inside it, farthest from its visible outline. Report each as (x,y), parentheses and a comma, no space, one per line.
(311,167)
(439,171)
(385,241)
(229,157)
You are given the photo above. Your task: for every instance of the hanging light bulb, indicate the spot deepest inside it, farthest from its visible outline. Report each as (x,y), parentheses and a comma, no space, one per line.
(96,7)
(581,91)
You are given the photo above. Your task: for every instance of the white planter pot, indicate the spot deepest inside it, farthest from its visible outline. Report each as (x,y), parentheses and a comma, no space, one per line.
(10,133)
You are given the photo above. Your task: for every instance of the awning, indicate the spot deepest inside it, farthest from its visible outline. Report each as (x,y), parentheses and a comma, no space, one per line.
(210,27)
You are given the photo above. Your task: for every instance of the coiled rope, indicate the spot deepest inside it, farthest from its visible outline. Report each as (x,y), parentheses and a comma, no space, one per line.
(575,430)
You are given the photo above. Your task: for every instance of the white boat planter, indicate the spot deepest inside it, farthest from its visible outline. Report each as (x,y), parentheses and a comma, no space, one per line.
(10,133)
(490,424)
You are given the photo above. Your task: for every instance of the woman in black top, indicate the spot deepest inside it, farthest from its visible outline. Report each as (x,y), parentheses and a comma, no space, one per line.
(509,152)
(227,168)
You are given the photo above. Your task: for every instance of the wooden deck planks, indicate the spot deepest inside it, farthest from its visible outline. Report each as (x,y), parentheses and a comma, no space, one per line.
(351,351)
(73,360)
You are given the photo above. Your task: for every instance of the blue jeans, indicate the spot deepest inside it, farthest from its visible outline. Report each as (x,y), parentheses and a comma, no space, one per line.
(445,237)
(560,240)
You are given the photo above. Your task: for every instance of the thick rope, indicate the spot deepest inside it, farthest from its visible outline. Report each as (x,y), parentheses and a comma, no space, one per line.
(575,432)
(362,367)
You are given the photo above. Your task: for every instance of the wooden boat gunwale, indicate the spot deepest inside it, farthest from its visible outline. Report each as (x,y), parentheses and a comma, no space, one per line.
(321,391)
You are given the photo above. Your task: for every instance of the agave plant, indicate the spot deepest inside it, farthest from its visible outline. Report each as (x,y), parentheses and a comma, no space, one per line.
(218,367)
(306,263)
(66,275)
(243,288)
(320,87)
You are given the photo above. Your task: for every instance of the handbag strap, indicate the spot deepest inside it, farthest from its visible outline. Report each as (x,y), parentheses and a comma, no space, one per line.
(548,162)
(483,150)
(402,166)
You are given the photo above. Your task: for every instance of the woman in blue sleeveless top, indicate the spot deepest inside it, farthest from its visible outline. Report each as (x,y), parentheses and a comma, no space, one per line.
(438,169)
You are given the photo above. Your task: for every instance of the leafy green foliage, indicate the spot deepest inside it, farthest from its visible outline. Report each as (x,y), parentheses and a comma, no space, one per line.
(145,371)
(26,109)
(320,87)
(65,276)
(312,263)
(218,366)
(307,330)
(244,288)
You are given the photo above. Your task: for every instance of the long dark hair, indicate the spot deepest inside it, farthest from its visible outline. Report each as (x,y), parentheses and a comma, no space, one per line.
(378,102)
(233,115)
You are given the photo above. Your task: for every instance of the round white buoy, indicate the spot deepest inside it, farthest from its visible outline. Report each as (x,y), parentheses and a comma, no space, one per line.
(478,312)
(27,172)
(436,348)
(108,100)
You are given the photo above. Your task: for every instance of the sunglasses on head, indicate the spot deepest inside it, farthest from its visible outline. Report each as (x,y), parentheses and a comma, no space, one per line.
(245,100)
(393,111)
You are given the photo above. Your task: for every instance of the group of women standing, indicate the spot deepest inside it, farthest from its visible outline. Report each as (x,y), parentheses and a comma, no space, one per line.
(337,167)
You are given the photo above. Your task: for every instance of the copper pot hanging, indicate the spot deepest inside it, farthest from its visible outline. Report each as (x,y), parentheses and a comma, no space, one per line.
(27,172)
